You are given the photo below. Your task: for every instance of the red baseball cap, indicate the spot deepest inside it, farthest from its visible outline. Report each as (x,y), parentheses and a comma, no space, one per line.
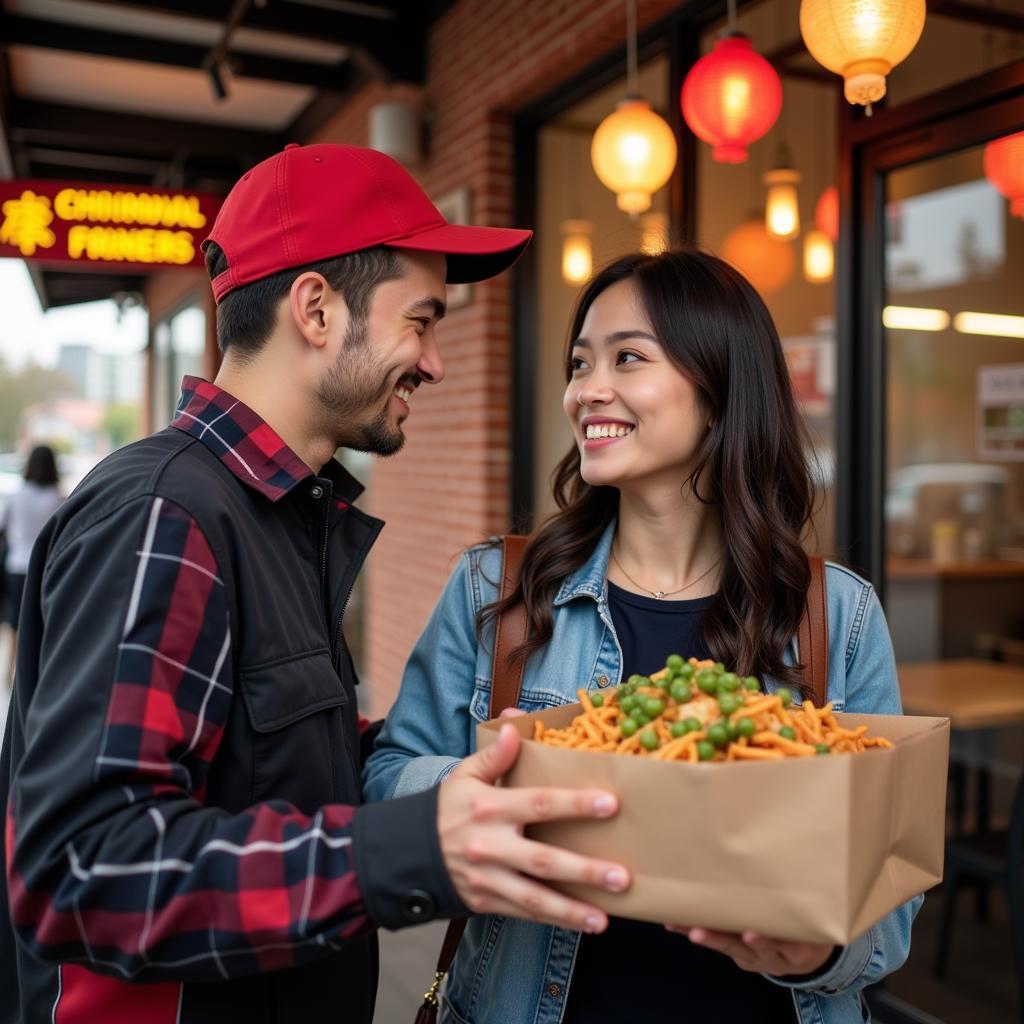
(310,203)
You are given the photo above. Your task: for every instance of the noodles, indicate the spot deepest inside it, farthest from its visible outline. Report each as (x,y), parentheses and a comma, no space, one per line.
(696,711)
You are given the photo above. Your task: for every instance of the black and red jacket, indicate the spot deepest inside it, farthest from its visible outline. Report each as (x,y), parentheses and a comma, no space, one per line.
(183,841)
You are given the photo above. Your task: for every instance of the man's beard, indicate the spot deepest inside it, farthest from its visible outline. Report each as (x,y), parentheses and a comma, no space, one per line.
(355,383)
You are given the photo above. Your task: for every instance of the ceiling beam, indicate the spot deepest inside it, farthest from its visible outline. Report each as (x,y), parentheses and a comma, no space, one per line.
(53,35)
(393,42)
(989,16)
(12,162)
(33,122)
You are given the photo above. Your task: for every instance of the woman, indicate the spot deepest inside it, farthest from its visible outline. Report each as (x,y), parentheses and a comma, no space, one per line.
(25,514)
(681,510)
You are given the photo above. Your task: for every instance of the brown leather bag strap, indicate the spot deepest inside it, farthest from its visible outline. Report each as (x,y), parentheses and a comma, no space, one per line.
(812,636)
(510,630)
(427,1013)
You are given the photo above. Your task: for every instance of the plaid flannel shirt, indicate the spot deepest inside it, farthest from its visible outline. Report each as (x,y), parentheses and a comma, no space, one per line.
(159,885)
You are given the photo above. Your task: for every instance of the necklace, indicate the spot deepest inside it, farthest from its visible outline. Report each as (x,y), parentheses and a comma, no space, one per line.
(660,594)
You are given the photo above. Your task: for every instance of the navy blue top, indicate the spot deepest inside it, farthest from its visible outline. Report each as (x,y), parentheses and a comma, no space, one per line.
(636,970)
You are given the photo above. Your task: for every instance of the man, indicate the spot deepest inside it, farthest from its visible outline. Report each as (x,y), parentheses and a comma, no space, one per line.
(182,761)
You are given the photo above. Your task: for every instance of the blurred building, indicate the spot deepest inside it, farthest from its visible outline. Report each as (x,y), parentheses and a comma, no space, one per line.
(103,377)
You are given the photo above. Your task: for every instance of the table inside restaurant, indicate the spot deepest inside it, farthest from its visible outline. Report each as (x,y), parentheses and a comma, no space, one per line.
(977,697)
(971,693)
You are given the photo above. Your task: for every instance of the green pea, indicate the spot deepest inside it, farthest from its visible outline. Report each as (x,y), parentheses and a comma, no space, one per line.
(692,724)
(653,706)
(750,683)
(822,748)
(637,680)
(649,740)
(787,732)
(785,695)
(705,750)
(627,703)
(730,682)
(674,662)
(687,670)
(718,734)
(707,680)
(662,684)
(728,703)
(680,691)
(746,727)
(629,726)
(597,699)
(678,729)
(734,731)
(718,668)
(642,719)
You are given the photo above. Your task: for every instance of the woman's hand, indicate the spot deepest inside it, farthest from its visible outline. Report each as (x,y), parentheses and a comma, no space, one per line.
(752,951)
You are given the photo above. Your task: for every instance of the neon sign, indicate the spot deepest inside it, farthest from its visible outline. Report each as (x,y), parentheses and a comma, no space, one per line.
(98,225)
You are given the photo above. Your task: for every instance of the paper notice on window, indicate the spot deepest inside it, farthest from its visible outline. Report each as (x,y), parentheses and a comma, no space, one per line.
(1001,412)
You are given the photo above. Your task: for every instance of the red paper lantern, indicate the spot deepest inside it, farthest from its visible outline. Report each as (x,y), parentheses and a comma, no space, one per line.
(826,213)
(731,97)
(1004,168)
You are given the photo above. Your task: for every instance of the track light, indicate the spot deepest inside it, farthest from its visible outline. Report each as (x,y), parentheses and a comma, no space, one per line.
(216,73)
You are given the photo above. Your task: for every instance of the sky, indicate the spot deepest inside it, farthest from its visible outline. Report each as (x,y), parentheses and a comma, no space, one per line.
(28,333)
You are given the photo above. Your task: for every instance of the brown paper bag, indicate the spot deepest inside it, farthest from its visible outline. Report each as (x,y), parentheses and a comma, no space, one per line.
(809,849)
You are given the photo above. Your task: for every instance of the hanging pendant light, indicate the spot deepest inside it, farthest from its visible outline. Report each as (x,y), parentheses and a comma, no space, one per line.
(826,213)
(782,205)
(634,150)
(577,254)
(731,96)
(819,258)
(862,40)
(1004,168)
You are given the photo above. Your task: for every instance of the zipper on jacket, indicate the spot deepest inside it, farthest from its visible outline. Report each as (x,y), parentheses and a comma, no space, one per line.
(324,533)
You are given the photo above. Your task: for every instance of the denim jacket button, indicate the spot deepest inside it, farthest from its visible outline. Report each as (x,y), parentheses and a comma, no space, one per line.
(554,990)
(602,680)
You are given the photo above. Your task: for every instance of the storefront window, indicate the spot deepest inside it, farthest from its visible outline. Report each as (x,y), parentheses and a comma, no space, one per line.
(179,346)
(574,205)
(793,276)
(954,317)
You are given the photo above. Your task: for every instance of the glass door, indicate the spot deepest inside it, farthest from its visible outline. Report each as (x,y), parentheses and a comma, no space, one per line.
(953,320)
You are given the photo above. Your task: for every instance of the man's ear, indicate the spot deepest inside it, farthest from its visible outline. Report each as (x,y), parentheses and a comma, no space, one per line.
(311,302)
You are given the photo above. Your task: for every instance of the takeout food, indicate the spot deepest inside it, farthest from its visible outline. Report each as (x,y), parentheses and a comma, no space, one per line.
(812,849)
(697,711)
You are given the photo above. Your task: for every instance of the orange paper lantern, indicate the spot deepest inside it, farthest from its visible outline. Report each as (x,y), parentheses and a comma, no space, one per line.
(731,97)
(1004,168)
(766,262)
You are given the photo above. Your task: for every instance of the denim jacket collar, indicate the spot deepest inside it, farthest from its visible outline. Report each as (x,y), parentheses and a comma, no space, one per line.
(589,579)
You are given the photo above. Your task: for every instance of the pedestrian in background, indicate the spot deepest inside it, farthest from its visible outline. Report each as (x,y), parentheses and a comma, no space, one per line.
(21,521)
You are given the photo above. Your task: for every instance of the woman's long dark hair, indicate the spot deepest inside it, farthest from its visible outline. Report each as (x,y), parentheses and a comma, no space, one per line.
(751,465)
(41,466)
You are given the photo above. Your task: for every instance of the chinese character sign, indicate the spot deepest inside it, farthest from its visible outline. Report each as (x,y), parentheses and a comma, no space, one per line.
(94,226)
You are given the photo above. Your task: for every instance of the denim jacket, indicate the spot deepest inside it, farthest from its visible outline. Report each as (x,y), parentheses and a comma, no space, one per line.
(509,971)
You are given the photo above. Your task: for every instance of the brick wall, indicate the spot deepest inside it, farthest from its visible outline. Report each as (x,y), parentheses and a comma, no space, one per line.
(450,485)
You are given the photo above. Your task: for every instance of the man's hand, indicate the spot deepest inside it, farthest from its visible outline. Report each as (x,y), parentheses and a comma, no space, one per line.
(491,863)
(754,952)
